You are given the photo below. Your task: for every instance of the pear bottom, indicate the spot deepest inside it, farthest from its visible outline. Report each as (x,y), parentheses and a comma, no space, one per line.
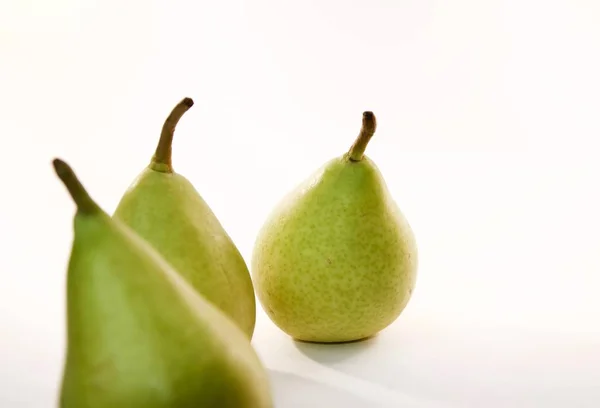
(321,322)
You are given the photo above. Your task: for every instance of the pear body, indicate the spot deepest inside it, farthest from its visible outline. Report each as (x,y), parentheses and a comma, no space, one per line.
(165,209)
(139,336)
(336,260)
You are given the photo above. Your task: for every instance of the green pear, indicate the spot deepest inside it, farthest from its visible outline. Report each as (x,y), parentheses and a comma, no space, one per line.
(138,335)
(336,260)
(166,210)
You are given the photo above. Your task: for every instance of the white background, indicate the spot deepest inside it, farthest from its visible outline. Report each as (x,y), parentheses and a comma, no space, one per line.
(488,130)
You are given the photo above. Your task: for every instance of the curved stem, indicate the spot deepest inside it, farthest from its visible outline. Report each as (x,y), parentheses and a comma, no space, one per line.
(82,199)
(162,156)
(369,124)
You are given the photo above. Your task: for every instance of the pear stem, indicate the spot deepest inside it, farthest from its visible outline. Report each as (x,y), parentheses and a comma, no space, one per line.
(82,199)
(369,124)
(162,157)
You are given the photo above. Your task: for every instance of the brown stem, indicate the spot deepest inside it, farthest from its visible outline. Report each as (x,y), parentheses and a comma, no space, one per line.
(369,124)
(161,160)
(82,199)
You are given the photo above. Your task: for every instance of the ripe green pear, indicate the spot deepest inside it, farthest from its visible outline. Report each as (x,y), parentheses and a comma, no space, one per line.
(138,336)
(165,209)
(336,260)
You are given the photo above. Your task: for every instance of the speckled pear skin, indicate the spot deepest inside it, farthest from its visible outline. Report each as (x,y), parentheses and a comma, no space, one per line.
(336,261)
(167,211)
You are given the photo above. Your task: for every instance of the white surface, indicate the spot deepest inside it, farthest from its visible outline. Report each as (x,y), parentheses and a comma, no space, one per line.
(488,128)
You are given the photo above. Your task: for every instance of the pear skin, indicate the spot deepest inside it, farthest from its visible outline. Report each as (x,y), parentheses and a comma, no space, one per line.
(336,260)
(165,209)
(138,335)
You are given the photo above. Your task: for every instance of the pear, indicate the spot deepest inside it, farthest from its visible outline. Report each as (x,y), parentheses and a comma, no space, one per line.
(138,335)
(165,209)
(336,260)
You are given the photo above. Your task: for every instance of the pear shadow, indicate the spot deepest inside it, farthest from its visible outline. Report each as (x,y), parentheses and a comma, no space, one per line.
(402,363)
(332,352)
(454,367)
(336,342)
(295,391)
